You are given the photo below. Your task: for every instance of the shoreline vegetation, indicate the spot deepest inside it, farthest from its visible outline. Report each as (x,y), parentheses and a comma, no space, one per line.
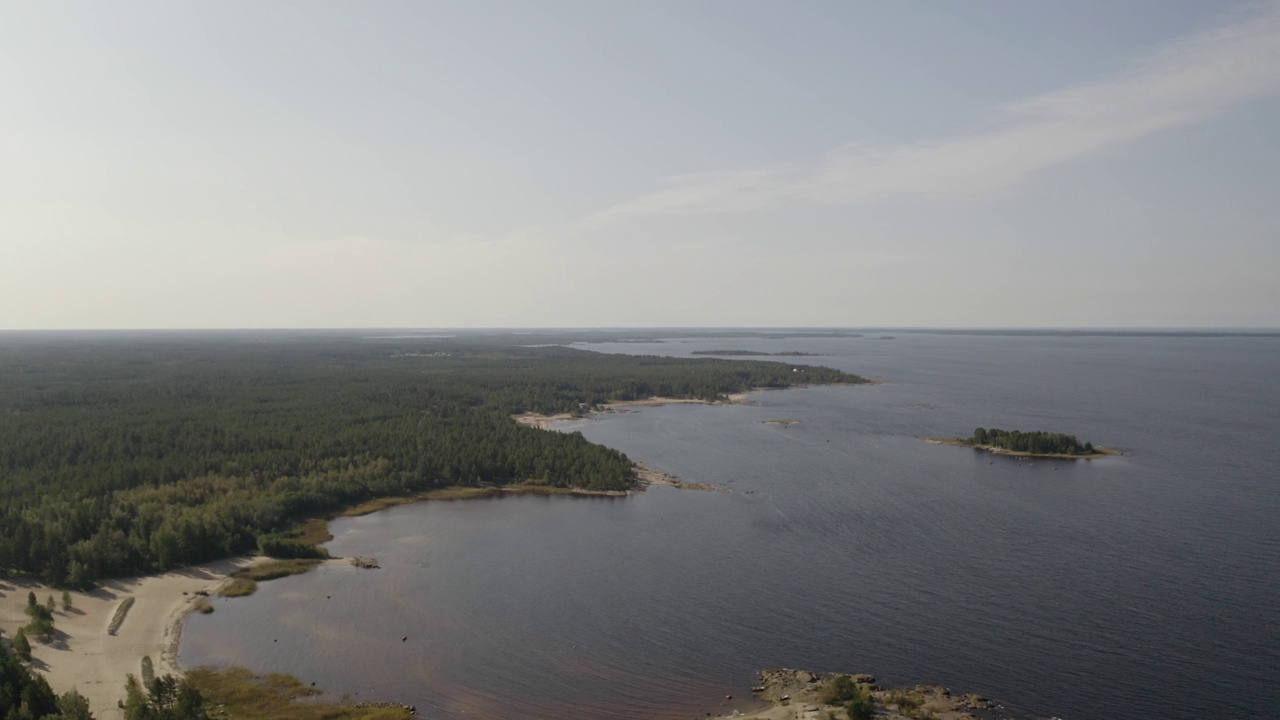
(243,695)
(1035,445)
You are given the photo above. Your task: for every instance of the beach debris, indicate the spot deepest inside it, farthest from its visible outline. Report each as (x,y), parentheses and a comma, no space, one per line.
(365,563)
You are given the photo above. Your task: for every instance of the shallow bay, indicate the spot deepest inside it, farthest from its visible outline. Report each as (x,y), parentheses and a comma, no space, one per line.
(1128,587)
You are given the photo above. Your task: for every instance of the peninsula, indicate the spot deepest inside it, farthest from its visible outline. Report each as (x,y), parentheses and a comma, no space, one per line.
(1034,444)
(175,450)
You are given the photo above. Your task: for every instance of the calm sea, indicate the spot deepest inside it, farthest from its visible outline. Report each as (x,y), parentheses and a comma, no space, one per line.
(1137,587)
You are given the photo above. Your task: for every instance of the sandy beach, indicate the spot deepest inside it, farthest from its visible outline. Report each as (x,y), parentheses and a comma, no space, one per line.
(544,421)
(84,656)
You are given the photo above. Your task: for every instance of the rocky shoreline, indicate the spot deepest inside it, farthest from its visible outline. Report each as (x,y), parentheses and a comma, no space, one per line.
(647,476)
(804,695)
(1098,452)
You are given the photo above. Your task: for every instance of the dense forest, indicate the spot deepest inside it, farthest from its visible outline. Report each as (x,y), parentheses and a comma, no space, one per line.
(128,453)
(1039,443)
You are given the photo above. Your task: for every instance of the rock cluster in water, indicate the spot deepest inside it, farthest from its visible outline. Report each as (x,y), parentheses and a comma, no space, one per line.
(804,691)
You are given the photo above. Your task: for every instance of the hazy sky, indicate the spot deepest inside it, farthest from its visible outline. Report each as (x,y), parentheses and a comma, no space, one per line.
(464,164)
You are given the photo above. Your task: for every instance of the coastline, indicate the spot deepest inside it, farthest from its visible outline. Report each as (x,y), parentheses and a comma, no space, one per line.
(95,662)
(1098,451)
(84,656)
(646,475)
(543,422)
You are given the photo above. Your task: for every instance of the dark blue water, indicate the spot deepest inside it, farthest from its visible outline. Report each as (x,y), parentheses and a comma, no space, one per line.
(1136,587)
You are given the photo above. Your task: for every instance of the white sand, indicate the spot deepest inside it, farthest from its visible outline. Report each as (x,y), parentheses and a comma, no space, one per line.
(84,656)
(544,422)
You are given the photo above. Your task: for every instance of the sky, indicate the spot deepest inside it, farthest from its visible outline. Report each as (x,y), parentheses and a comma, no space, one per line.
(987,163)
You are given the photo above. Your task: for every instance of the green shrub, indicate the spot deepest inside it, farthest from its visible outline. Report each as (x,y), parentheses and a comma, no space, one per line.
(861,707)
(278,546)
(904,700)
(839,690)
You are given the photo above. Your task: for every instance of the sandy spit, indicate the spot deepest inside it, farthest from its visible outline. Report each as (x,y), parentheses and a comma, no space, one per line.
(544,421)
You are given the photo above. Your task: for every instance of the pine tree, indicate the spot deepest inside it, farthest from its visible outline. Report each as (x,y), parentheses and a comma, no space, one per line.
(21,645)
(74,706)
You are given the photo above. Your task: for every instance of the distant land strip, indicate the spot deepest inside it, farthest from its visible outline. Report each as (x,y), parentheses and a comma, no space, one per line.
(754,353)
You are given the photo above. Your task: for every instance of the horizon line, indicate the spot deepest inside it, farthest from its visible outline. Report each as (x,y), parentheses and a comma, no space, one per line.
(1243,329)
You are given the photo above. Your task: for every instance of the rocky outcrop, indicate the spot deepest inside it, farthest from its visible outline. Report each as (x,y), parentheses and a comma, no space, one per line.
(807,695)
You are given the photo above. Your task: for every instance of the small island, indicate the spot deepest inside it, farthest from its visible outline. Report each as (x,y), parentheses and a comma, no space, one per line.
(801,694)
(1034,444)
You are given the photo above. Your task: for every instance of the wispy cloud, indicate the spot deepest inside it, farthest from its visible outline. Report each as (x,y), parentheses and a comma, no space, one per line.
(1187,81)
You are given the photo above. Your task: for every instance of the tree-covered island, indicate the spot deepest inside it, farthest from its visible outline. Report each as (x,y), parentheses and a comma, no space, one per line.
(1033,444)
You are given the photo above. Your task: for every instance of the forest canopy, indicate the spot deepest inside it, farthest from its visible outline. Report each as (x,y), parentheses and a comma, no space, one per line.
(128,453)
